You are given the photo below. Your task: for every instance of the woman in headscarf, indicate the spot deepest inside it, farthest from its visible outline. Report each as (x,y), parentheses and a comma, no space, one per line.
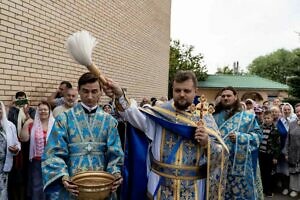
(287,116)
(292,152)
(250,104)
(37,131)
(108,108)
(9,146)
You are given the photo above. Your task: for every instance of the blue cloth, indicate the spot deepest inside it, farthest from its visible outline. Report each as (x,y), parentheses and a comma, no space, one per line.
(80,142)
(241,178)
(134,172)
(136,150)
(282,132)
(177,128)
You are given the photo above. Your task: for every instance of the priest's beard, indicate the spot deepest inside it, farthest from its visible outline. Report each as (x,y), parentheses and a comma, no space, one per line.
(182,107)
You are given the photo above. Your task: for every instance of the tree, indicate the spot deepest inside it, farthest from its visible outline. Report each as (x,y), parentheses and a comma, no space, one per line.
(277,66)
(225,70)
(294,80)
(182,58)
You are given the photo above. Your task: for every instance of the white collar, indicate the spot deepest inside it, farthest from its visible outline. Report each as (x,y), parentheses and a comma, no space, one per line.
(88,108)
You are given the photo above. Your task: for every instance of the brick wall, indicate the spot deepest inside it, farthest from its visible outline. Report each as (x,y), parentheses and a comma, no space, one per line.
(133,44)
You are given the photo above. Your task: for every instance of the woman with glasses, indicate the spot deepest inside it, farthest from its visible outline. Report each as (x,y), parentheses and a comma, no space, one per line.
(37,131)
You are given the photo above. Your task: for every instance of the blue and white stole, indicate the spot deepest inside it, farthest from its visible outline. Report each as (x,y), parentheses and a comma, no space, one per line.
(237,124)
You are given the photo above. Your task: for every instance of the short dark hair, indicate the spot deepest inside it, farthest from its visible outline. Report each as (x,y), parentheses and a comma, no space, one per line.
(297,105)
(268,112)
(236,107)
(229,88)
(20,94)
(184,75)
(67,83)
(88,78)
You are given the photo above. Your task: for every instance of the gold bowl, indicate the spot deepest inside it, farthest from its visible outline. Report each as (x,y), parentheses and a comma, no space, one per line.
(93,185)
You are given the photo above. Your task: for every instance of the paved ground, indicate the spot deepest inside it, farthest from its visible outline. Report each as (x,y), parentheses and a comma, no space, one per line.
(281,197)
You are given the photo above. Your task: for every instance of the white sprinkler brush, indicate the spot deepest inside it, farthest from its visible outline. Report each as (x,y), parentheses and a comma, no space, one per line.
(80,45)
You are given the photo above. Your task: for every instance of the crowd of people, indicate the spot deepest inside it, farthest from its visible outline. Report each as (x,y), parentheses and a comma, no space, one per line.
(227,149)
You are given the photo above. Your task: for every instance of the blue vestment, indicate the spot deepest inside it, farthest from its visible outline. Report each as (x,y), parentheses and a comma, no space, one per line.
(80,142)
(242,165)
(177,165)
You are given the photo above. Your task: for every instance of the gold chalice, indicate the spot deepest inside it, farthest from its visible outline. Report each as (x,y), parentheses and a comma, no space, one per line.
(93,185)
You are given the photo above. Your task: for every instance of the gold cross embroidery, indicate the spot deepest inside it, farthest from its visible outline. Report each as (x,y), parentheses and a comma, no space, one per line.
(190,144)
(170,143)
(187,195)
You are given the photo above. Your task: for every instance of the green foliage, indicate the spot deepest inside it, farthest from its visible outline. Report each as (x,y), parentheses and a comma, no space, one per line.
(277,66)
(294,83)
(225,70)
(182,58)
(293,101)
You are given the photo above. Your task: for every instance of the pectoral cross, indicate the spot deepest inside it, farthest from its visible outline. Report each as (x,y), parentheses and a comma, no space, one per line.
(203,108)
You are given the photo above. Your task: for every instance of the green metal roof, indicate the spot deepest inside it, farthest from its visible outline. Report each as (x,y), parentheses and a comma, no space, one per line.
(242,82)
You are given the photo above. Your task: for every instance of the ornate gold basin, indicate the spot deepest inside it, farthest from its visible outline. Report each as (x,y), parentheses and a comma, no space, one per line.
(93,185)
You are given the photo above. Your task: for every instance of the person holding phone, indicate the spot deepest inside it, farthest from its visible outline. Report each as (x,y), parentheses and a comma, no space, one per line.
(9,146)
(19,111)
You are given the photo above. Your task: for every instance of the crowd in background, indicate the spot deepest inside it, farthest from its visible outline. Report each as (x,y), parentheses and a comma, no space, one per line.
(28,127)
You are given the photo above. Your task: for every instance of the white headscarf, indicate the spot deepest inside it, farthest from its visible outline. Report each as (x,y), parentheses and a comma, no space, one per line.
(292,116)
(4,120)
(37,145)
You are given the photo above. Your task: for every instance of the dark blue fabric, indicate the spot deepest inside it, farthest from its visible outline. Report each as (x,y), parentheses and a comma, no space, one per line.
(185,131)
(135,166)
(254,160)
(281,128)
(282,132)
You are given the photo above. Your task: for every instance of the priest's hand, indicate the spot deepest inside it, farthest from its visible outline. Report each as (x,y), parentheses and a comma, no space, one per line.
(201,136)
(112,89)
(70,187)
(232,137)
(118,181)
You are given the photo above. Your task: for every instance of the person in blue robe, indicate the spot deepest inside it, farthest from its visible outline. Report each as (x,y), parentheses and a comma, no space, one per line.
(242,134)
(184,158)
(84,138)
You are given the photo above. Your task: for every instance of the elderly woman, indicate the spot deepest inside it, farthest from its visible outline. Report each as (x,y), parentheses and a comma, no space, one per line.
(287,116)
(9,146)
(37,132)
(292,152)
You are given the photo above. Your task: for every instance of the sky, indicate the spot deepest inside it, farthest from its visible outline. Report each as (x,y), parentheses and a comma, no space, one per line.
(225,31)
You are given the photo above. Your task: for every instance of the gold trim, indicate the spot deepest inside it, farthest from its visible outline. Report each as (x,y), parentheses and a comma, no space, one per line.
(177,189)
(200,152)
(172,113)
(189,178)
(159,193)
(189,122)
(180,154)
(221,175)
(208,169)
(162,143)
(196,190)
(186,167)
